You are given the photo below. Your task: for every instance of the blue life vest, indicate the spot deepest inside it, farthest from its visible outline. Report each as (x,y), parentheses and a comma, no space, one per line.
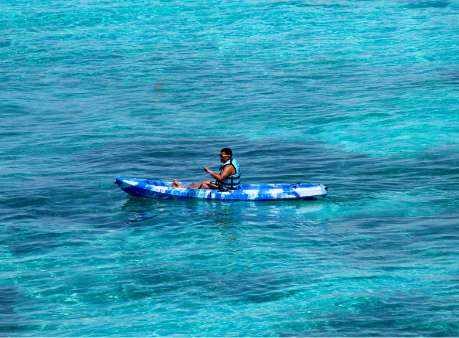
(231,182)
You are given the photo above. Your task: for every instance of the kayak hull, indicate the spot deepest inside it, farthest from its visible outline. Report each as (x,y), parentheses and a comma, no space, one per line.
(142,187)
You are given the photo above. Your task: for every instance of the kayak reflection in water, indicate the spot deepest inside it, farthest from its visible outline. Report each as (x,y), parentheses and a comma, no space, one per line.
(229,177)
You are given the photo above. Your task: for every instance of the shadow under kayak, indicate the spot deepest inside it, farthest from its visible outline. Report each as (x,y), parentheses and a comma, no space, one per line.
(247,192)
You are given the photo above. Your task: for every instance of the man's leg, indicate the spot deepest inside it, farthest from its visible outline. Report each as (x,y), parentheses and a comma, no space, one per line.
(208,185)
(200,185)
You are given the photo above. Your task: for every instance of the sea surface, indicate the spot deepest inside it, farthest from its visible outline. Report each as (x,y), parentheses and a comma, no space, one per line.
(362,96)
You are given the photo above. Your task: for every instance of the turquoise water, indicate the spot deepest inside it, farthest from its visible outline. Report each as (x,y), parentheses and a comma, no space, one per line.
(359,95)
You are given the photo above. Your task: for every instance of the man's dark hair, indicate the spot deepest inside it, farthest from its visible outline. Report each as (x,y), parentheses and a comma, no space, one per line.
(227,151)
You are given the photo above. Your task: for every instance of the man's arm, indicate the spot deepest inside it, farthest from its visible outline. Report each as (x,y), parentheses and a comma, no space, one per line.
(227,171)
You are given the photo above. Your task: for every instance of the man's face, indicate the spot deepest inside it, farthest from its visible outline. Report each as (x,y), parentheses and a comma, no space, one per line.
(224,157)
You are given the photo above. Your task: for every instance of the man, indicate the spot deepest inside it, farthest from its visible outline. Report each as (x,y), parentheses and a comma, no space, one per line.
(228,178)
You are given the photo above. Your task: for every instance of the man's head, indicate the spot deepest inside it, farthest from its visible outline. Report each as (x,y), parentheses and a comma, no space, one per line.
(225,154)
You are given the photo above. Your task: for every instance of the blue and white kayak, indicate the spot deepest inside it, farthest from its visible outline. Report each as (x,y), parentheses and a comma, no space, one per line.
(247,192)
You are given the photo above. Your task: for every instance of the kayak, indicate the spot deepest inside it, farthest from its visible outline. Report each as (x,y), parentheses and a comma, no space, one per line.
(247,192)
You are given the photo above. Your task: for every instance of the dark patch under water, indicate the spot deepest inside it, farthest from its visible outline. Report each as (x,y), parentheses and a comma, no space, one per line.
(420,4)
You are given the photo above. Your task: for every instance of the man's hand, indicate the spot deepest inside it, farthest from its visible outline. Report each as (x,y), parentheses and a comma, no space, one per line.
(228,171)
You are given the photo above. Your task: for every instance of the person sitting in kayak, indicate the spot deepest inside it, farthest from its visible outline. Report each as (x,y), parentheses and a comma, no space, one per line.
(229,177)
